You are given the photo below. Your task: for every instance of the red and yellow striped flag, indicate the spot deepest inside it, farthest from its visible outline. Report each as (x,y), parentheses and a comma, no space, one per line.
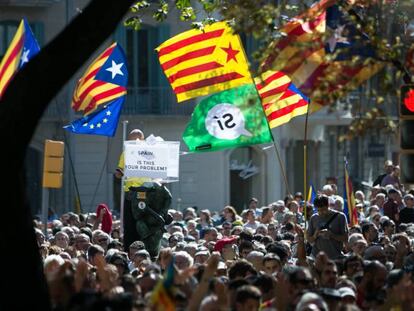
(21,49)
(104,80)
(281,100)
(349,205)
(301,54)
(199,63)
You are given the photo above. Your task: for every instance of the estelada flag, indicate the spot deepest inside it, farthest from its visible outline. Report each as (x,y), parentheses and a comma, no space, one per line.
(21,49)
(324,53)
(199,63)
(105,80)
(281,99)
(350,210)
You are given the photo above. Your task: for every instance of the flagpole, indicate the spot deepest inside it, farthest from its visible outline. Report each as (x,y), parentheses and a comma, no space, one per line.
(281,164)
(305,161)
(282,168)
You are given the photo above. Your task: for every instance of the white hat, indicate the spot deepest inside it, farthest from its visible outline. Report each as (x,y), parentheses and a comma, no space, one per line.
(346,291)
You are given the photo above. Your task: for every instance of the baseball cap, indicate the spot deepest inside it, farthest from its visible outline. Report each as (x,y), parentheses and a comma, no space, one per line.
(346,291)
(223,242)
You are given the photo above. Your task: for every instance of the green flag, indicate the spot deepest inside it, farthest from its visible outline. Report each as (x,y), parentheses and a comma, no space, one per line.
(229,119)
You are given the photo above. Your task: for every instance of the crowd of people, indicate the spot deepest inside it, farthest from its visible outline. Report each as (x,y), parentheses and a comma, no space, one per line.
(266,257)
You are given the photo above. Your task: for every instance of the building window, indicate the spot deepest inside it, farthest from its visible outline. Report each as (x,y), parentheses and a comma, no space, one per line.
(143,66)
(8,31)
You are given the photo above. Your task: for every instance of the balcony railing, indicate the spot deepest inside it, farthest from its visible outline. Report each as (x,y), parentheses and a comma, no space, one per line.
(154,101)
(28,3)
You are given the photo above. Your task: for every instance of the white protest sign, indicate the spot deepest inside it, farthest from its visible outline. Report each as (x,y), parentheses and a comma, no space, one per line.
(154,159)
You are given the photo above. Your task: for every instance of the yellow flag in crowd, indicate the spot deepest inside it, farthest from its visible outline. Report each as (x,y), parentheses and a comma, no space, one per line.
(199,63)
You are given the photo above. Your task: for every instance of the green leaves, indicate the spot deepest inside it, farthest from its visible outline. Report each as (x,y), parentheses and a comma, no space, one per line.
(162,12)
(133,22)
(187,14)
(139,5)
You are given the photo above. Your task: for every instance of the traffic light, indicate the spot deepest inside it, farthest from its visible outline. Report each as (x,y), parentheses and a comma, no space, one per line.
(406,134)
(53,164)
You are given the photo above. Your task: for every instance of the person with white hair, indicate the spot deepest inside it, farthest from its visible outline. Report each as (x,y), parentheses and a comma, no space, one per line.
(311,302)
(338,203)
(62,239)
(51,266)
(256,258)
(327,190)
(183,260)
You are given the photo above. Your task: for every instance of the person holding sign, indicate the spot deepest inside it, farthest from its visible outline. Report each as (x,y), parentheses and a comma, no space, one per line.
(146,204)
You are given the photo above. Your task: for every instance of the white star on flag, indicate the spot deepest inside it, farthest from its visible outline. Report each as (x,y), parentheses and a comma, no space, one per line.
(98,125)
(337,37)
(25,57)
(108,113)
(115,69)
(91,126)
(105,120)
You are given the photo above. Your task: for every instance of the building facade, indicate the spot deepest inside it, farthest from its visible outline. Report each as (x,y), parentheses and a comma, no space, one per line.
(208,180)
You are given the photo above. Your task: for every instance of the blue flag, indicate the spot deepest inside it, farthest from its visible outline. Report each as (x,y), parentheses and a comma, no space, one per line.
(101,122)
(21,49)
(30,45)
(346,39)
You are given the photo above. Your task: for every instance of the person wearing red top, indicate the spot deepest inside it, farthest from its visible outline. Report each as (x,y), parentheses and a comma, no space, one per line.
(103,217)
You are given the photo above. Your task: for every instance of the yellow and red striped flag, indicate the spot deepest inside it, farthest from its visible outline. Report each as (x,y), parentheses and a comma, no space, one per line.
(281,99)
(162,297)
(105,80)
(323,53)
(199,63)
(22,48)
(349,205)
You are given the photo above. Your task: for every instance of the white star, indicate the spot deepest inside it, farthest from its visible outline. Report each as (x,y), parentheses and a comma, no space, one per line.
(85,124)
(108,113)
(98,125)
(25,57)
(105,120)
(91,126)
(115,69)
(337,37)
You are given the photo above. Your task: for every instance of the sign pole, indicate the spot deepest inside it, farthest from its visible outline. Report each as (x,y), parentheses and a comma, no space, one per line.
(124,136)
(45,208)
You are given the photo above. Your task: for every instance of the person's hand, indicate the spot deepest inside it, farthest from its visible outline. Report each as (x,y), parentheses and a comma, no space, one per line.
(300,233)
(102,213)
(181,277)
(222,294)
(282,286)
(108,277)
(118,174)
(299,230)
(211,267)
(316,234)
(81,274)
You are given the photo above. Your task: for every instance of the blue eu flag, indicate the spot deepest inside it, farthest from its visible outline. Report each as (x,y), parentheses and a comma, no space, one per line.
(101,122)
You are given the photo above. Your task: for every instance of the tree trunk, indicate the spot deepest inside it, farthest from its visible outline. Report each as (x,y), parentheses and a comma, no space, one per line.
(21,108)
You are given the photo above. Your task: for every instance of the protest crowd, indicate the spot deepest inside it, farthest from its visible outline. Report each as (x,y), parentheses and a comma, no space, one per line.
(275,256)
